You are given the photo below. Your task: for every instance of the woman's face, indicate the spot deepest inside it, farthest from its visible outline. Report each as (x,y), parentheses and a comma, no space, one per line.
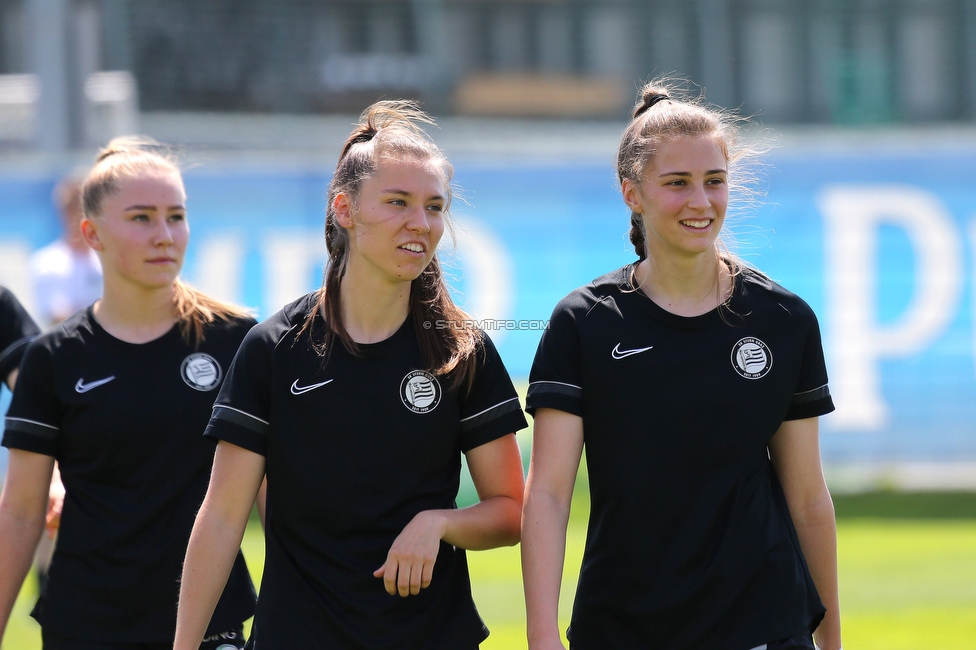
(142,232)
(682,196)
(396,220)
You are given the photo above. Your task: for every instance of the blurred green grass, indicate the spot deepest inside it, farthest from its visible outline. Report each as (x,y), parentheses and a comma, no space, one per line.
(907,575)
(907,566)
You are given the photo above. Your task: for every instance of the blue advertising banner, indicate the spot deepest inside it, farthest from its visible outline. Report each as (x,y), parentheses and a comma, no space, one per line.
(881,244)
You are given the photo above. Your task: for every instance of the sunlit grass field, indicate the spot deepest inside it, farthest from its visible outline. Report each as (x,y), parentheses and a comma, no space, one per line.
(907,575)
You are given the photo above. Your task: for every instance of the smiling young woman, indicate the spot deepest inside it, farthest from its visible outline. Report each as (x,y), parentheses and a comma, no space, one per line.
(358,414)
(119,394)
(694,384)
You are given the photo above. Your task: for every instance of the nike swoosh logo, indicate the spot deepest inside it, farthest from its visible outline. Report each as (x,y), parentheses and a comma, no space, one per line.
(621,354)
(298,390)
(82,387)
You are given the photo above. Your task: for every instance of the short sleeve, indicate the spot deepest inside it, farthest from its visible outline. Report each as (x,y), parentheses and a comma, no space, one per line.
(17,329)
(811,397)
(34,417)
(242,410)
(555,379)
(491,409)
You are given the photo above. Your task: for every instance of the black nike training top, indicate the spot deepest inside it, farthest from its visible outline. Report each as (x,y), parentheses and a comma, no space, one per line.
(690,543)
(355,448)
(125,422)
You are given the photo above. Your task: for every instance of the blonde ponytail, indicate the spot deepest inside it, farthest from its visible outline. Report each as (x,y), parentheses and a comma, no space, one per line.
(196,310)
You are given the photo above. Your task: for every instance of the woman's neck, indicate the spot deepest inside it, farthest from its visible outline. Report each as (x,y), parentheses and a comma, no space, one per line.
(689,286)
(372,310)
(133,314)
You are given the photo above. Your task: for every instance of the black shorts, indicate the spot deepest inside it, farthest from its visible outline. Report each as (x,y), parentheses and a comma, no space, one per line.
(230,640)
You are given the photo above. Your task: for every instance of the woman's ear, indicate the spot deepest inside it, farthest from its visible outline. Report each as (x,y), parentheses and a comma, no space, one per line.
(90,234)
(632,195)
(342,207)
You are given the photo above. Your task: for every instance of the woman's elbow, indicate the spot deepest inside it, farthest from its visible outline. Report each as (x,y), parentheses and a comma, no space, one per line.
(510,525)
(815,512)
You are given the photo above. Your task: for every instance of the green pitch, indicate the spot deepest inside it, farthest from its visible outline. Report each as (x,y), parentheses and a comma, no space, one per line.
(906,583)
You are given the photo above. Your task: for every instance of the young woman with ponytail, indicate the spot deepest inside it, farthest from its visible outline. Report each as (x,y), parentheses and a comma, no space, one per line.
(120,394)
(694,384)
(357,406)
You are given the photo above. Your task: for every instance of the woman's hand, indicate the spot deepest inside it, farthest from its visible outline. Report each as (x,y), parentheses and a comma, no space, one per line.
(496,470)
(409,565)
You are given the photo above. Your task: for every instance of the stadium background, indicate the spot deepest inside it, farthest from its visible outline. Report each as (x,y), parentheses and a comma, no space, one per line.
(869,213)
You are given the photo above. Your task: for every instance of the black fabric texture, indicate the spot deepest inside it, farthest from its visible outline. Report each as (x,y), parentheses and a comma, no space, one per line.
(17,328)
(355,448)
(125,423)
(688,545)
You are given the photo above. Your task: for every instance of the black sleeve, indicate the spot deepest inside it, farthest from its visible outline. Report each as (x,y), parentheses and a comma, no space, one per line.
(241,412)
(492,408)
(17,328)
(555,380)
(811,397)
(34,417)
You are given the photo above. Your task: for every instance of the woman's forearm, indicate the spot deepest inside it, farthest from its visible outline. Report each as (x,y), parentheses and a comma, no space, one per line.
(817,530)
(544,522)
(487,524)
(795,453)
(556,449)
(18,538)
(210,557)
(23,506)
(216,539)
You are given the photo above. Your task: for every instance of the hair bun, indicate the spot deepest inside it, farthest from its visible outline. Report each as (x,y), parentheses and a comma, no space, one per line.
(125,144)
(649,100)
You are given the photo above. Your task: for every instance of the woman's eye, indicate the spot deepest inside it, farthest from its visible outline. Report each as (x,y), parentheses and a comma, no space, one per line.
(140,217)
(437,207)
(399,202)
(177,216)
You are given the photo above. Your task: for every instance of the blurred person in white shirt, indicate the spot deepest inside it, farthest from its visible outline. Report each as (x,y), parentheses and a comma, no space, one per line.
(66,274)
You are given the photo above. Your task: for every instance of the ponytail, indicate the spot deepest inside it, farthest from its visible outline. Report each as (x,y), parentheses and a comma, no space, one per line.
(196,310)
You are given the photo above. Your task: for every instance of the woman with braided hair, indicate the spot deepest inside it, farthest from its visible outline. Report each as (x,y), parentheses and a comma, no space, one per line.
(358,410)
(694,384)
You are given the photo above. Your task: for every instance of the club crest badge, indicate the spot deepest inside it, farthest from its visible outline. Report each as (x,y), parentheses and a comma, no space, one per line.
(201,372)
(420,391)
(751,358)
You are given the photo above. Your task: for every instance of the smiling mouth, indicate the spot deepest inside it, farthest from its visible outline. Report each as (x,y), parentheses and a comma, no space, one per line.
(698,224)
(413,248)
